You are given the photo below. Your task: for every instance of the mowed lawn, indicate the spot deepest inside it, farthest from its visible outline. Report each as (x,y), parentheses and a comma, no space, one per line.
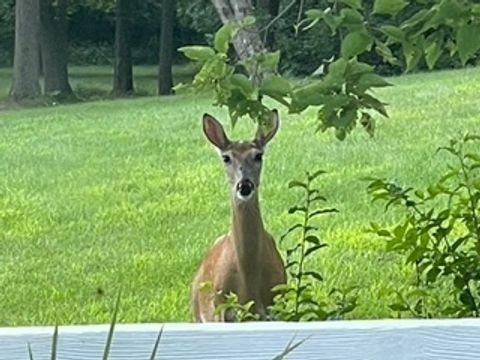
(127,194)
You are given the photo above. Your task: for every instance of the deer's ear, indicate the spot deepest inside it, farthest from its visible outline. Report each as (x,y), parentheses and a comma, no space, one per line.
(263,137)
(214,132)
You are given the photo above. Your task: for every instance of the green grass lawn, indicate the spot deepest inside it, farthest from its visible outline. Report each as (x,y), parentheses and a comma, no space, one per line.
(128,194)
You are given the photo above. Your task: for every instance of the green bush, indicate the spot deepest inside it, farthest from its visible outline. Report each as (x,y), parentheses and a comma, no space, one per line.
(439,235)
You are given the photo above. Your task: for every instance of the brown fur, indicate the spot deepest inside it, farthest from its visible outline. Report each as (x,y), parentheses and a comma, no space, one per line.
(245,261)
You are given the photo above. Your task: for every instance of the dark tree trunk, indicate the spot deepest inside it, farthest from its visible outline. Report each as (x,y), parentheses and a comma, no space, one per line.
(53,45)
(246,42)
(270,7)
(123,76)
(25,83)
(165,81)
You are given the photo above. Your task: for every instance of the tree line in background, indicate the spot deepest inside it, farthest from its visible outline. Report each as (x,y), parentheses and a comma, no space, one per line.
(390,35)
(37,37)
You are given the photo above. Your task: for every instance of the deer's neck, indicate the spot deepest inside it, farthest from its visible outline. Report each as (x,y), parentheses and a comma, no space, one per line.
(248,235)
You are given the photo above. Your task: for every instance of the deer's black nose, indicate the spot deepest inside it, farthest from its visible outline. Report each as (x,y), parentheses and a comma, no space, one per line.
(245,187)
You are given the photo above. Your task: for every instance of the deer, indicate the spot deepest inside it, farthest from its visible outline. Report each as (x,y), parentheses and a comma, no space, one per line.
(245,261)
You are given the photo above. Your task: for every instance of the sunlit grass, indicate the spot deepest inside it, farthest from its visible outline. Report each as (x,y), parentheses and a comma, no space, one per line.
(127,193)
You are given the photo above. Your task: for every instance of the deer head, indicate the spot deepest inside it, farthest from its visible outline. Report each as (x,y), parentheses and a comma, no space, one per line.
(242,159)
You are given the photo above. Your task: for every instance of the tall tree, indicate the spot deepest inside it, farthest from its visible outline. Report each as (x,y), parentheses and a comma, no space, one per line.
(270,8)
(246,42)
(123,75)
(53,45)
(25,83)
(165,80)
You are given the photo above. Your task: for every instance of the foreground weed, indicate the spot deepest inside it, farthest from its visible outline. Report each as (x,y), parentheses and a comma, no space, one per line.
(108,344)
(297,300)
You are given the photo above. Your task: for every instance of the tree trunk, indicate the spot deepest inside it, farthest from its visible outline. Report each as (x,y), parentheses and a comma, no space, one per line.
(25,83)
(53,45)
(165,81)
(123,77)
(246,42)
(270,7)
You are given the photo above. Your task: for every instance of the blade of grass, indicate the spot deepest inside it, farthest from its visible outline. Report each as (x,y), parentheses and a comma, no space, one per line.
(108,344)
(30,352)
(157,342)
(53,356)
(289,348)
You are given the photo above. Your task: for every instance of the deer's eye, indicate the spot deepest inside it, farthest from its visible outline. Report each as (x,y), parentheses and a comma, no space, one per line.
(226,159)
(258,157)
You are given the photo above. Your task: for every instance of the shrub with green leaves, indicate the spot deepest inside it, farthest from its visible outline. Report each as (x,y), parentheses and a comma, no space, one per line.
(439,234)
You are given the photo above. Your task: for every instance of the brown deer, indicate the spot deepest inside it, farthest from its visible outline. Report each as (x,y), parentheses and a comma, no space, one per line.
(245,261)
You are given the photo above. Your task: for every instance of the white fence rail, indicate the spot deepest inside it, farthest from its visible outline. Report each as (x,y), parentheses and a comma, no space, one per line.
(341,340)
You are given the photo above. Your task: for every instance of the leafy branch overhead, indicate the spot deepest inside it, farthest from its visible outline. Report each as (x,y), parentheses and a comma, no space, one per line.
(341,90)
(341,96)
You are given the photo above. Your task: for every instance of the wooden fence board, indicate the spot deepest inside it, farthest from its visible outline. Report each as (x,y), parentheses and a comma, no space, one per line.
(336,340)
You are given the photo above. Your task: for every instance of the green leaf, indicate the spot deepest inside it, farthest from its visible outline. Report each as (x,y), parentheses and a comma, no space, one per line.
(295,209)
(314,248)
(467,299)
(355,43)
(292,228)
(393,32)
(316,174)
(222,38)
(384,233)
(432,53)
(314,14)
(415,255)
(352,20)
(385,52)
(398,307)
(242,83)
(332,21)
(418,17)
(371,102)
(449,10)
(276,85)
(459,282)
(296,183)
(468,41)
(321,212)
(432,274)
(389,7)
(313,274)
(354,4)
(312,239)
(412,55)
(369,80)
(197,53)
(270,60)
(340,134)
(248,21)
(337,69)
(357,68)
